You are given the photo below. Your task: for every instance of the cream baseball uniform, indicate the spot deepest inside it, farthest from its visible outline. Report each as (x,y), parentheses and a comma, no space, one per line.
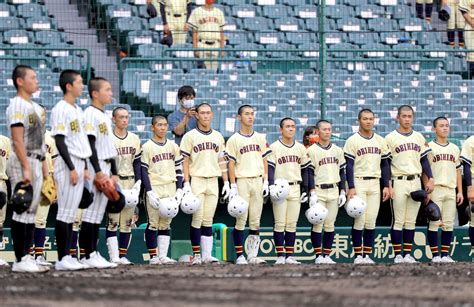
(444,162)
(467,156)
(128,150)
(467,7)
(406,150)
(68,120)
(327,163)
(203,149)
(209,24)
(456,20)
(5,151)
(161,160)
(248,154)
(28,114)
(288,162)
(99,125)
(176,13)
(367,154)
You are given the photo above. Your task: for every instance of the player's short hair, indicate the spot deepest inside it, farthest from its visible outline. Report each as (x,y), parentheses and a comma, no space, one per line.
(115,110)
(66,77)
(203,105)
(185,91)
(155,118)
(95,84)
(405,107)
(20,72)
(438,119)
(242,107)
(282,121)
(366,110)
(322,121)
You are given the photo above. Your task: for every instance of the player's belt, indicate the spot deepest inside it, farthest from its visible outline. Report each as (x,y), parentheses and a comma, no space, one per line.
(35,156)
(126,177)
(409,177)
(175,15)
(294,183)
(327,186)
(108,161)
(208,42)
(367,178)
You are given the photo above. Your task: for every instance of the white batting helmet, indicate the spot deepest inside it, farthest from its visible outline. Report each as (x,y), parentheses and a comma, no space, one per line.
(281,191)
(190,203)
(237,206)
(168,207)
(316,214)
(132,195)
(355,207)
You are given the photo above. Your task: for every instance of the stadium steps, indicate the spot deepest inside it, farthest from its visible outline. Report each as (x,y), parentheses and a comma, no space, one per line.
(78,31)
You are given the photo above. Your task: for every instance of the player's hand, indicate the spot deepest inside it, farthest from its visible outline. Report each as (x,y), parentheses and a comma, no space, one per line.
(73,177)
(266,191)
(115,179)
(179,195)
(166,29)
(386,194)
(351,193)
(186,188)
(186,27)
(226,190)
(392,192)
(459,198)
(429,185)
(233,191)
(342,199)
(273,193)
(86,174)
(26,175)
(153,199)
(427,199)
(313,198)
(470,194)
(303,197)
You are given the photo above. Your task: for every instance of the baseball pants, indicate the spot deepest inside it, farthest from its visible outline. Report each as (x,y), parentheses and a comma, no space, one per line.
(456,20)
(424,1)
(3,211)
(207,190)
(176,25)
(251,190)
(328,198)
(445,198)
(469,40)
(286,213)
(124,218)
(15,174)
(369,191)
(405,209)
(210,65)
(41,216)
(69,196)
(76,226)
(95,213)
(155,221)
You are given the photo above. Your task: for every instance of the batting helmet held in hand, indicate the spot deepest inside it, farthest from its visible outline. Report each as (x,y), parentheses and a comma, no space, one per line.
(132,195)
(316,214)
(169,207)
(418,195)
(237,206)
(444,13)
(281,191)
(116,206)
(355,207)
(432,211)
(87,196)
(190,203)
(22,197)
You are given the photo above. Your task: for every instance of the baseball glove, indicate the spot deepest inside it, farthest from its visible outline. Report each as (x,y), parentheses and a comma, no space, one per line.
(104,184)
(48,191)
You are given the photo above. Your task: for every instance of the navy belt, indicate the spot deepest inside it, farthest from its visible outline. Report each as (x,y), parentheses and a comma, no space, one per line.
(35,156)
(409,177)
(326,186)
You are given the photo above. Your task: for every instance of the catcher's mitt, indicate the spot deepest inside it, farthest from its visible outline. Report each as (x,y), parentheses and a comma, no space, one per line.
(48,191)
(104,184)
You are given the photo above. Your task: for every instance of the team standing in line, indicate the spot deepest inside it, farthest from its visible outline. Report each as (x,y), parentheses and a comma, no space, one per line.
(83,149)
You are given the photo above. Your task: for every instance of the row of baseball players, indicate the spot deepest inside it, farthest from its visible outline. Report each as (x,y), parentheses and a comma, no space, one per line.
(189,175)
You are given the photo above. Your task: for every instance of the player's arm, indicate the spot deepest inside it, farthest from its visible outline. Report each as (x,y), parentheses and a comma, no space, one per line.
(63,151)
(163,16)
(459,196)
(137,165)
(93,159)
(350,175)
(385,170)
(17,131)
(44,168)
(144,176)
(426,167)
(465,13)
(195,42)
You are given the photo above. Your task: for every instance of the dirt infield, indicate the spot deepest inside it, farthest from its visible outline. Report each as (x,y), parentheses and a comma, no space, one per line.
(225,285)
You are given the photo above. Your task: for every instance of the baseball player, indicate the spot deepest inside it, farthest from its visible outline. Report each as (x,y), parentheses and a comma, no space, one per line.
(247,152)
(288,160)
(446,167)
(426,7)
(70,167)
(408,158)
(43,211)
(162,177)
(456,23)
(366,155)
(467,9)
(175,14)
(204,162)
(98,128)
(207,23)
(129,171)
(5,151)
(327,181)
(27,162)
(467,157)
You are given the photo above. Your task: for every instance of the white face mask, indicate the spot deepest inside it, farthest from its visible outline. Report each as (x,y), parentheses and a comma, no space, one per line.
(188,104)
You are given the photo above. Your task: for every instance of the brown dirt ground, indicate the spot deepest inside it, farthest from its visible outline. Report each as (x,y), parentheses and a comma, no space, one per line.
(226,285)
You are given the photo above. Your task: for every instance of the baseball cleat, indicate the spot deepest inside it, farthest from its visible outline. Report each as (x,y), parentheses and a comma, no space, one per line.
(96,262)
(66,265)
(110,265)
(359,260)
(368,260)
(436,259)
(241,260)
(447,259)
(319,259)
(167,260)
(76,262)
(409,259)
(27,265)
(155,260)
(125,261)
(196,259)
(41,261)
(398,259)
(256,260)
(280,260)
(3,263)
(292,260)
(328,260)
(41,268)
(210,259)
